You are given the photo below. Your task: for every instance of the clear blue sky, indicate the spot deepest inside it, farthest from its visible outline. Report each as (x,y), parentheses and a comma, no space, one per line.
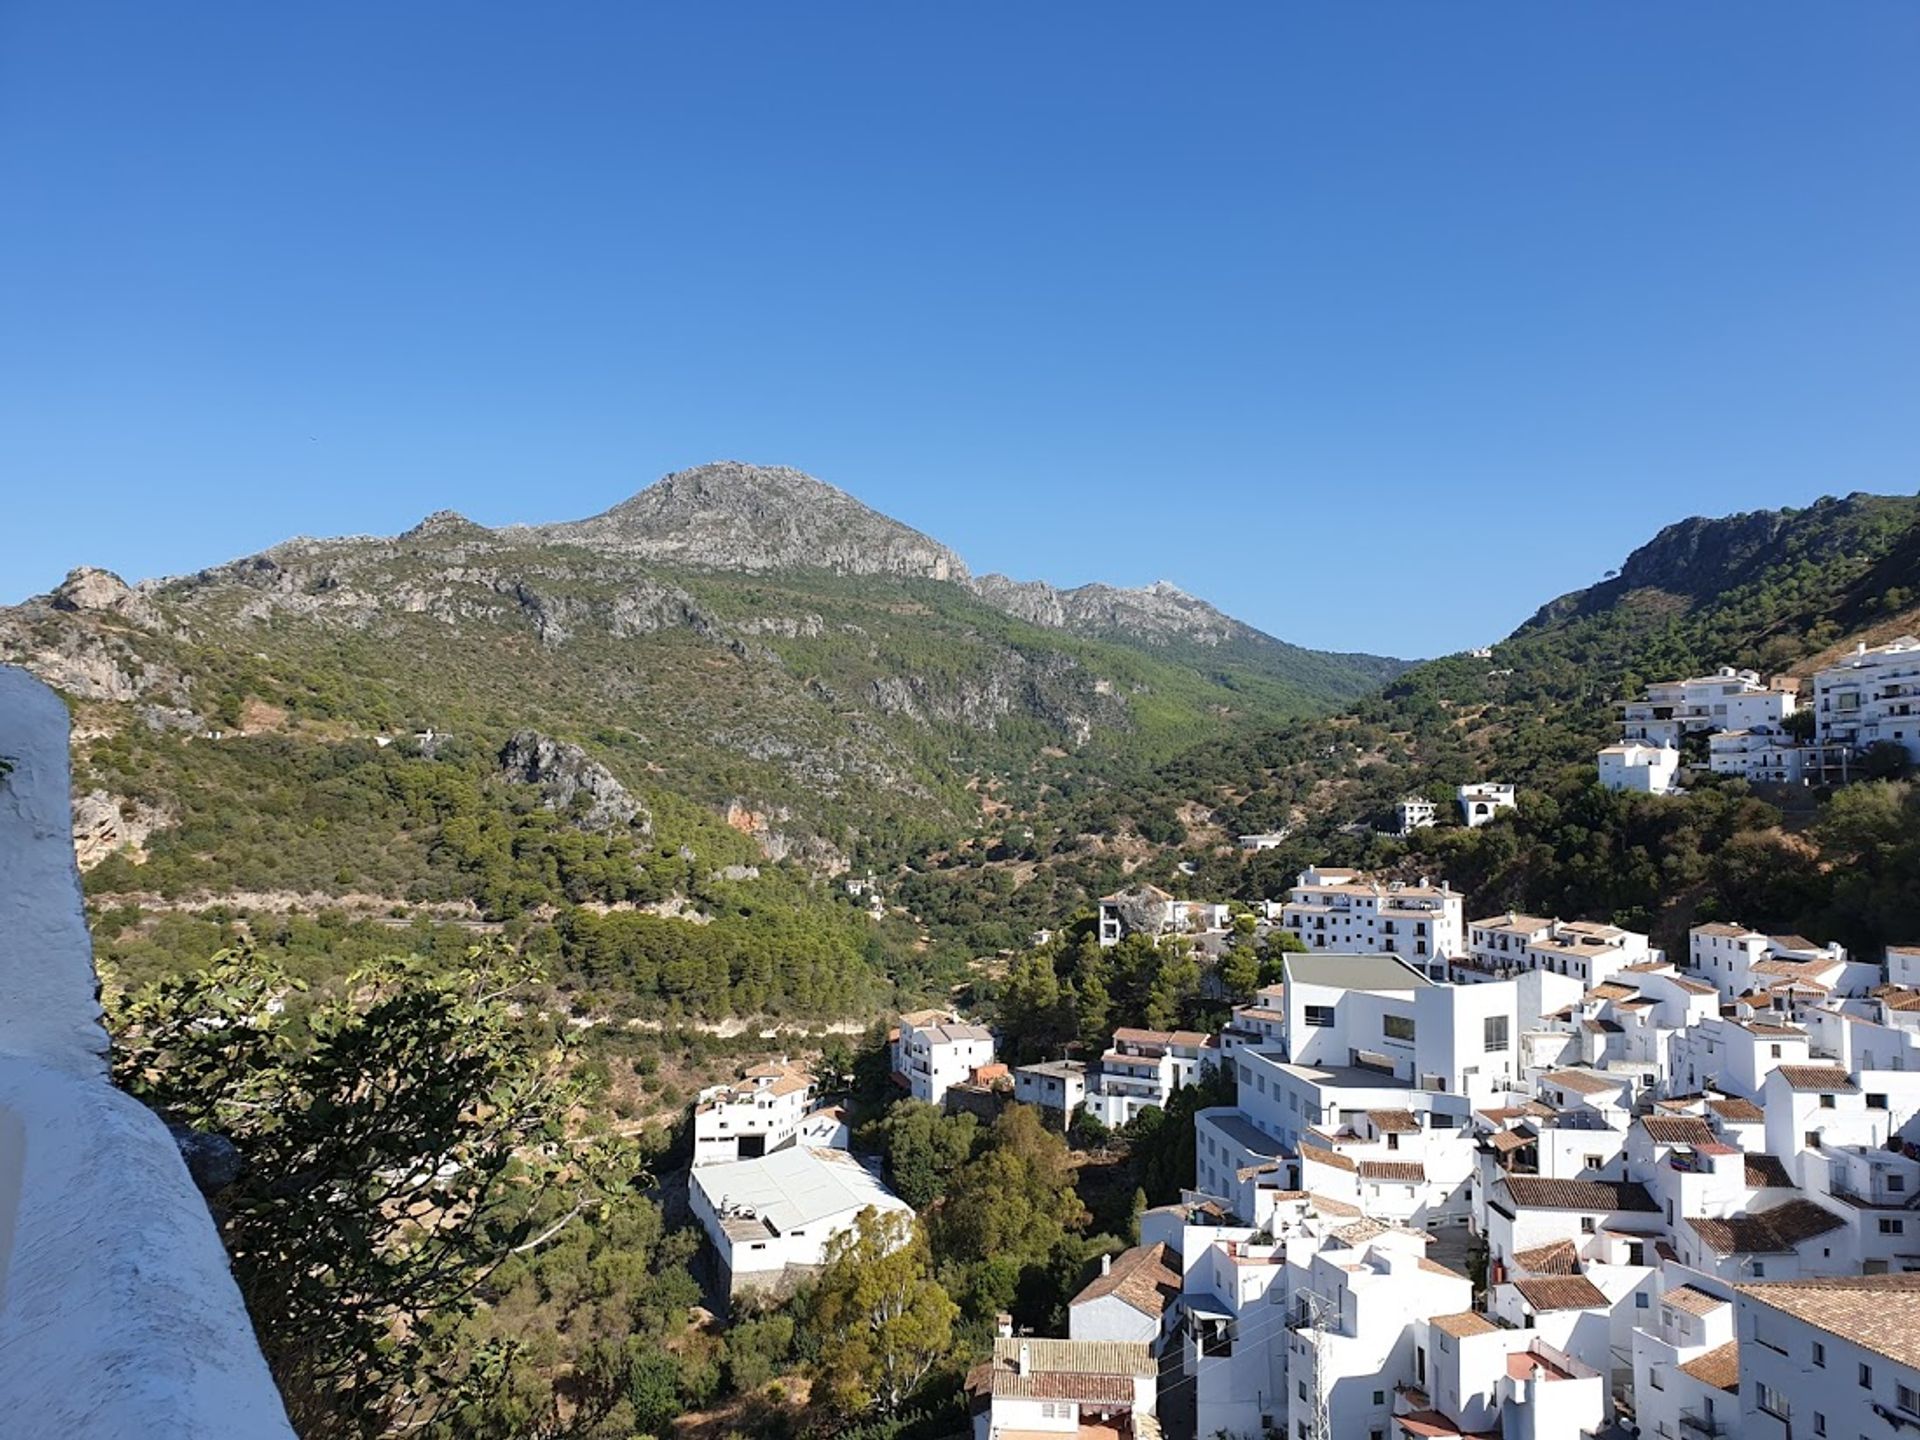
(1377,324)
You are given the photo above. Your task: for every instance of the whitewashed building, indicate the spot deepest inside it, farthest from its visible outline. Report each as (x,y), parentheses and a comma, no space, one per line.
(1142,1069)
(1035,1386)
(1135,1297)
(1412,812)
(1502,946)
(1639,767)
(752,1116)
(1871,697)
(1728,699)
(1836,1356)
(933,1051)
(771,1219)
(1058,1087)
(1352,912)
(1482,802)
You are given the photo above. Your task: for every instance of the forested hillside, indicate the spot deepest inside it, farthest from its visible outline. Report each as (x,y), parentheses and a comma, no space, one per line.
(651,745)
(1778,591)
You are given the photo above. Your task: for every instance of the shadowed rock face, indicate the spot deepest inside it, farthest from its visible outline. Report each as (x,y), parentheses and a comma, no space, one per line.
(730,516)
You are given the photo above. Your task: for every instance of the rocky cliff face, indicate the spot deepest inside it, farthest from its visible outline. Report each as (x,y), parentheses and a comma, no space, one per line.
(572,783)
(730,516)
(1157,612)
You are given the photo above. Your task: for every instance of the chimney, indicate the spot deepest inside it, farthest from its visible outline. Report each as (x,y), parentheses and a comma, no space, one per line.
(1106,1263)
(1003,1325)
(1026,1360)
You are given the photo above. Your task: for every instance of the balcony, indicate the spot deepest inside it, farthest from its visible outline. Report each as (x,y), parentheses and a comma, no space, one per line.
(1697,1425)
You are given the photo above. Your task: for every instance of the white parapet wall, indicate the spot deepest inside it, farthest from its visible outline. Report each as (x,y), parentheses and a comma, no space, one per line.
(118,1317)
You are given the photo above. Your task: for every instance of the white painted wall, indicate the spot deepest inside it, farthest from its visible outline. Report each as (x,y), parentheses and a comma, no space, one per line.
(118,1317)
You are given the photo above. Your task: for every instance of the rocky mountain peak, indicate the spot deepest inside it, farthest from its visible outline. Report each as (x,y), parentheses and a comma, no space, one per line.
(733,516)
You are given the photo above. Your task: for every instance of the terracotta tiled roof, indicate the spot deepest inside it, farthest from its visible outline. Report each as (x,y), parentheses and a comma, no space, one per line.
(1559,1258)
(1334,1208)
(1561,1292)
(1394,1122)
(1737,1110)
(1879,1312)
(1719,1368)
(1514,1139)
(1536,1192)
(1586,1082)
(1818,1077)
(1090,1371)
(1692,1299)
(1467,1322)
(1767,1172)
(1765,1232)
(1692,987)
(1677,1130)
(1607,990)
(1141,1277)
(1402,1172)
(1898,997)
(1314,1153)
(1434,1267)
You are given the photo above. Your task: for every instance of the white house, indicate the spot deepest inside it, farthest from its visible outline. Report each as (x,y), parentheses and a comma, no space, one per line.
(1640,767)
(1264,839)
(1056,1086)
(752,1116)
(1411,813)
(1034,1386)
(1685,1359)
(1836,1356)
(1762,754)
(771,1219)
(1731,957)
(1480,803)
(1728,699)
(1135,1297)
(1871,697)
(1142,1069)
(1351,912)
(1584,950)
(933,1051)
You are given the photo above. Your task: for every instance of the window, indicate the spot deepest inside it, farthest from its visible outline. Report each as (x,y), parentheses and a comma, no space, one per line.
(1819,1355)
(1907,1398)
(1771,1400)
(1653,1378)
(1892,1227)
(1827,1102)
(1640,1300)
(1397,1027)
(1813,1139)
(1819,1423)
(1866,1376)
(1896,1183)
(1588,1224)
(1379,1397)
(1776,1051)
(1595,1162)
(1494,1033)
(1319,1016)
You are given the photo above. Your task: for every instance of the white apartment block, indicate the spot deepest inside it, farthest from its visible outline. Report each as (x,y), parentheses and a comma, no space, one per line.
(753,1116)
(1351,912)
(1871,697)
(1739,962)
(933,1051)
(1728,699)
(1142,1069)
(1480,803)
(1639,767)
(1592,953)
(771,1219)
(1762,754)
(1411,813)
